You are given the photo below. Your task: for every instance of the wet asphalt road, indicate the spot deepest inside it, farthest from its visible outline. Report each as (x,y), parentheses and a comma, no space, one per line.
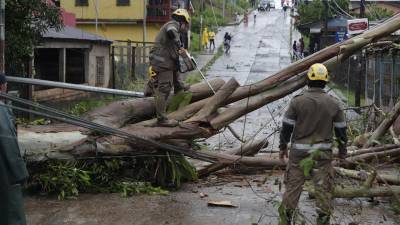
(258,50)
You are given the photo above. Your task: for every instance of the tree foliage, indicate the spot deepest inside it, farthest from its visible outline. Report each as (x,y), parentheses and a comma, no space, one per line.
(26,21)
(314,11)
(374,12)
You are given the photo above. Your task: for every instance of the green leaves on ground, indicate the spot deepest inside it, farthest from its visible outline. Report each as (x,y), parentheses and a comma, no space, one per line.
(309,162)
(126,176)
(68,179)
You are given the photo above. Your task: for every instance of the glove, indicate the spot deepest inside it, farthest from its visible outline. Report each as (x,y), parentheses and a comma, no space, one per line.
(283,152)
(342,152)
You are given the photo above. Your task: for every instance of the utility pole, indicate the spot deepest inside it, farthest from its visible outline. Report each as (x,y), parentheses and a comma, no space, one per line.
(201,32)
(96,8)
(223,9)
(144,22)
(2,34)
(360,65)
(325,34)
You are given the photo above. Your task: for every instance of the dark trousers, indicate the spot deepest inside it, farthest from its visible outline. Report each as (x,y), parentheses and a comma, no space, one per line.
(212,43)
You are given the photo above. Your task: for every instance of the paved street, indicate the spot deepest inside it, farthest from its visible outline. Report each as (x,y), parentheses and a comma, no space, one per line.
(258,50)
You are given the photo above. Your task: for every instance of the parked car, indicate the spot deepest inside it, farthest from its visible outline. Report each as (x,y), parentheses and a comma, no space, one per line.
(266,5)
(263,5)
(272,4)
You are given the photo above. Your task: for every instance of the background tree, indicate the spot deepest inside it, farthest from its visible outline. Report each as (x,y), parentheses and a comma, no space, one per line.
(374,12)
(314,11)
(26,21)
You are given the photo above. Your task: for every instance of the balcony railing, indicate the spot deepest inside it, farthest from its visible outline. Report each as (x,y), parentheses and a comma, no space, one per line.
(158,12)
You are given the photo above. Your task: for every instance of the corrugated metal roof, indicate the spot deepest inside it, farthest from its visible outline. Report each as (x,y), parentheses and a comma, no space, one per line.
(74,34)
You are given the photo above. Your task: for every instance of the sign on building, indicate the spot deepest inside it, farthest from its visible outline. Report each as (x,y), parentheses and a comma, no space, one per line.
(357,26)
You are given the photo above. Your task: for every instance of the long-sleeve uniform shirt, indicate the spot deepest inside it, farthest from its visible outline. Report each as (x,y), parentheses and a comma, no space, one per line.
(310,120)
(164,54)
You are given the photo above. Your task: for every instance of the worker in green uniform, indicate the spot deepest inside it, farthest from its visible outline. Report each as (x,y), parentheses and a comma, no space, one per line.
(164,64)
(308,124)
(13,171)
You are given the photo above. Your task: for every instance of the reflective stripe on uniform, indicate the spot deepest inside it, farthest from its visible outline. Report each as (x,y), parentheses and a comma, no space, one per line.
(288,121)
(339,124)
(312,146)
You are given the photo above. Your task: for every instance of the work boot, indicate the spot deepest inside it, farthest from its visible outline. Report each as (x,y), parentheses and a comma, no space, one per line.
(167,123)
(323,219)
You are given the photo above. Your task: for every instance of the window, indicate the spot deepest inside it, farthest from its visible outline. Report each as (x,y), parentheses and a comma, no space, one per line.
(99,70)
(81,2)
(123,2)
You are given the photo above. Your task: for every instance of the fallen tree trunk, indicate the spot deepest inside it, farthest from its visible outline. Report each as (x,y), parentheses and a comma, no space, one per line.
(363,175)
(215,102)
(119,113)
(384,126)
(254,102)
(373,149)
(364,158)
(248,149)
(360,192)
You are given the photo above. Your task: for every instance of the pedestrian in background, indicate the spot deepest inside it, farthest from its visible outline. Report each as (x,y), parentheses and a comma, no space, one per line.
(13,172)
(301,50)
(294,48)
(255,15)
(204,38)
(298,50)
(316,48)
(211,36)
(227,42)
(246,17)
(308,125)
(285,6)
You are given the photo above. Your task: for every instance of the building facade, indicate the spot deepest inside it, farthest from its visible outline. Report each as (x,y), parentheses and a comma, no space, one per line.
(71,56)
(122,19)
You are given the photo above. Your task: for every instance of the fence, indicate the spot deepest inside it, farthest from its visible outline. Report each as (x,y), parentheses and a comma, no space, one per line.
(130,61)
(382,79)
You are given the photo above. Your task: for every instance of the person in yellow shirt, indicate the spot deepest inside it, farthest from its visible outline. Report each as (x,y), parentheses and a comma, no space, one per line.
(204,38)
(211,37)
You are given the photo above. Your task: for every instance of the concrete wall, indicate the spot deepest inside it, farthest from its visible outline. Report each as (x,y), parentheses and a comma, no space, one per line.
(99,50)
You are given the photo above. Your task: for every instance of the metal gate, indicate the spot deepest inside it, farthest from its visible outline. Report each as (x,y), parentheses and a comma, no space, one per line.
(130,61)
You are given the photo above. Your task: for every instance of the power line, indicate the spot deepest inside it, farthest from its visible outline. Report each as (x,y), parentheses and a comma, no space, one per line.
(337,5)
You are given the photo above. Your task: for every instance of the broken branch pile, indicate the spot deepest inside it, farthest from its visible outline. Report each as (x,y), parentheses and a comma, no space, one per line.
(204,117)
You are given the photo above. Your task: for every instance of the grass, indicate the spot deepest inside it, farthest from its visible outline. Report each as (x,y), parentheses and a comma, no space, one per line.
(194,45)
(348,93)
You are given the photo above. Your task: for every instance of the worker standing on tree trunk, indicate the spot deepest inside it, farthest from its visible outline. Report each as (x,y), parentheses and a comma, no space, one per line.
(13,171)
(164,64)
(308,124)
